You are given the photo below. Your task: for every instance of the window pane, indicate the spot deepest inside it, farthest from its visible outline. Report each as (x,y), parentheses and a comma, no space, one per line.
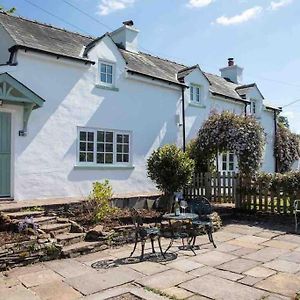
(119,138)
(231,166)
(90,147)
(82,146)
(224,166)
(126,138)
(109,69)
(103,68)
(90,136)
(126,149)
(108,147)
(119,157)
(82,135)
(192,92)
(231,157)
(108,158)
(109,137)
(82,156)
(100,158)
(224,157)
(100,147)
(100,136)
(125,158)
(90,157)
(119,148)
(103,77)
(109,79)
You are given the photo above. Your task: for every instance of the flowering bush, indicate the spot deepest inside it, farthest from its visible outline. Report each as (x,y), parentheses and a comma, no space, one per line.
(287,148)
(227,131)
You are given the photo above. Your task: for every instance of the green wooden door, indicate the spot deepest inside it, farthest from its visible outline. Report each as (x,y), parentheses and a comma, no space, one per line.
(5,153)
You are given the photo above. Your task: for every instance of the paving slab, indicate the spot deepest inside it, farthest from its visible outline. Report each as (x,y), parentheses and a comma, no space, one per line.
(249,280)
(185,265)
(68,267)
(37,278)
(227,275)
(283,266)
(291,256)
(280,244)
(260,272)
(251,239)
(223,236)
(8,282)
(91,283)
(18,292)
(25,270)
(56,290)
(242,229)
(225,247)
(165,279)
(281,283)
(293,238)
(213,258)
(245,244)
(239,265)
(268,234)
(220,288)
(266,254)
(178,293)
(202,271)
(277,297)
(243,251)
(148,267)
(198,297)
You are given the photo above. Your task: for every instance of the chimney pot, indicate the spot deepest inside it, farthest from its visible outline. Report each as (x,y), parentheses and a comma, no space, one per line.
(128,23)
(230,61)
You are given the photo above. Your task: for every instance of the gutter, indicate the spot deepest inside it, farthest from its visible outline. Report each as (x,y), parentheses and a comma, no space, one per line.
(15,48)
(230,98)
(183,120)
(275,140)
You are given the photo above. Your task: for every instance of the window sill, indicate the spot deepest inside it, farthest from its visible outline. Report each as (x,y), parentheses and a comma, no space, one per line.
(106,167)
(199,105)
(109,88)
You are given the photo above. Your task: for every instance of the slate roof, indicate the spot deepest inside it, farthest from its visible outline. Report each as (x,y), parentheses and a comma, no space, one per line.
(50,39)
(44,37)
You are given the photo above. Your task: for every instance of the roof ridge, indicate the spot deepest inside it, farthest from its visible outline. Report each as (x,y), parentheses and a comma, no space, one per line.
(47,25)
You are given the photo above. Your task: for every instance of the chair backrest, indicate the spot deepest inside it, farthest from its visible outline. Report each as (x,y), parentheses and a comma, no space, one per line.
(201,206)
(136,218)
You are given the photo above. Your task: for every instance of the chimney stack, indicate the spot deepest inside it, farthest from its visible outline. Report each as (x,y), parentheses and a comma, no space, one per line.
(232,72)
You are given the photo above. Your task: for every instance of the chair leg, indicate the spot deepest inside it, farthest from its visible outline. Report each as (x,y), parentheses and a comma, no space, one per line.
(160,248)
(143,250)
(152,245)
(136,242)
(170,245)
(210,236)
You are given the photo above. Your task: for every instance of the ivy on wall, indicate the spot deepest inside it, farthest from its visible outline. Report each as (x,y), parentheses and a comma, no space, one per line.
(227,131)
(287,148)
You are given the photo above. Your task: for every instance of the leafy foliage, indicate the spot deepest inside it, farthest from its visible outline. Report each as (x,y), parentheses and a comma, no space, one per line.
(9,11)
(227,131)
(99,200)
(282,120)
(170,168)
(287,148)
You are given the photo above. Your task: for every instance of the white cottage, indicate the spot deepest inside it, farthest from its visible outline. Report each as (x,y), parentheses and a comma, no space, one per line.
(75,109)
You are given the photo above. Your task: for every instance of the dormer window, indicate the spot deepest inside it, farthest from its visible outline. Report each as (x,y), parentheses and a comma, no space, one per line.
(195,93)
(106,73)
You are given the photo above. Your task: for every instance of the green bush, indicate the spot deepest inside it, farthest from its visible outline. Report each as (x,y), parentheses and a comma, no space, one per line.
(100,200)
(170,168)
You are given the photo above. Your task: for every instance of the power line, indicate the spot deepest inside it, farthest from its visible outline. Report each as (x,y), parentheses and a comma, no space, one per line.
(87,14)
(291,103)
(55,16)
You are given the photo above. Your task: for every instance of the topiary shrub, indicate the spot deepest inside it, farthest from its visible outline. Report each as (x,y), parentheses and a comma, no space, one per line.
(227,131)
(171,169)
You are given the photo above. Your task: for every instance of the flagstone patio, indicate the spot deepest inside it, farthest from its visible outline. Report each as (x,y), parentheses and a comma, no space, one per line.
(251,262)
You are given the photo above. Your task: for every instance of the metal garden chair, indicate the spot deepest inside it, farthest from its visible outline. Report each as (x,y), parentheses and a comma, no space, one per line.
(203,208)
(142,234)
(296,211)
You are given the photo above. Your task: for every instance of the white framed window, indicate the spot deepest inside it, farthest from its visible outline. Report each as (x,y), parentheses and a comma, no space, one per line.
(195,93)
(103,147)
(106,73)
(228,162)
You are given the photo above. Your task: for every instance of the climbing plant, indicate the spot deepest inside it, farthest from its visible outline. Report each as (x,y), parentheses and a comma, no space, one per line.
(287,148)
(227,131)
(8,11)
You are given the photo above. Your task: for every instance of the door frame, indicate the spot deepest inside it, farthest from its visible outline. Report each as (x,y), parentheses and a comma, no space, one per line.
(12,147)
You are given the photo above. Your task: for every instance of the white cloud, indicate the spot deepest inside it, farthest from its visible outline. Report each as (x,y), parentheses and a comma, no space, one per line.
(108,6)
(198,3)
(279,4)
(245,16)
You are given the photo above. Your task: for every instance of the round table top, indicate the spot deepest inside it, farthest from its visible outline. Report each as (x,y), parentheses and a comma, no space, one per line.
(185,216)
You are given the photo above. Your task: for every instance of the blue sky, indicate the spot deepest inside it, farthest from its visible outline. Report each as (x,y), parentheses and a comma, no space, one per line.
(262,35)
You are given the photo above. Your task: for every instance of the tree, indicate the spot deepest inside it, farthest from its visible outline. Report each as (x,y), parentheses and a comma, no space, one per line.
(171,169)
(283,121)
(9,11)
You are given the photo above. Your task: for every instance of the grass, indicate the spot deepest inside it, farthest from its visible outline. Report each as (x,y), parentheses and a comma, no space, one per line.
(160,293)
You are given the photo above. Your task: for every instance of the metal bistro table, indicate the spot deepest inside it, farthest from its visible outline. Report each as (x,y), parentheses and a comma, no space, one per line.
(180,232)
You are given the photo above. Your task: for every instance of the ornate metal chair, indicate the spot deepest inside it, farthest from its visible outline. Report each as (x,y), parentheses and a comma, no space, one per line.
(296,212)
(203,208)
(142,234)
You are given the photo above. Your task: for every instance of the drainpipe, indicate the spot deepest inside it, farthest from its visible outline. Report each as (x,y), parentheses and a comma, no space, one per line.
(275,135)
(183,119)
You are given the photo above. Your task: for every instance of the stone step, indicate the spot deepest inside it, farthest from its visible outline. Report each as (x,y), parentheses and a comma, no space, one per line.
(23,214)
(45,220)
(82,248)
(66,239)
(56,228)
